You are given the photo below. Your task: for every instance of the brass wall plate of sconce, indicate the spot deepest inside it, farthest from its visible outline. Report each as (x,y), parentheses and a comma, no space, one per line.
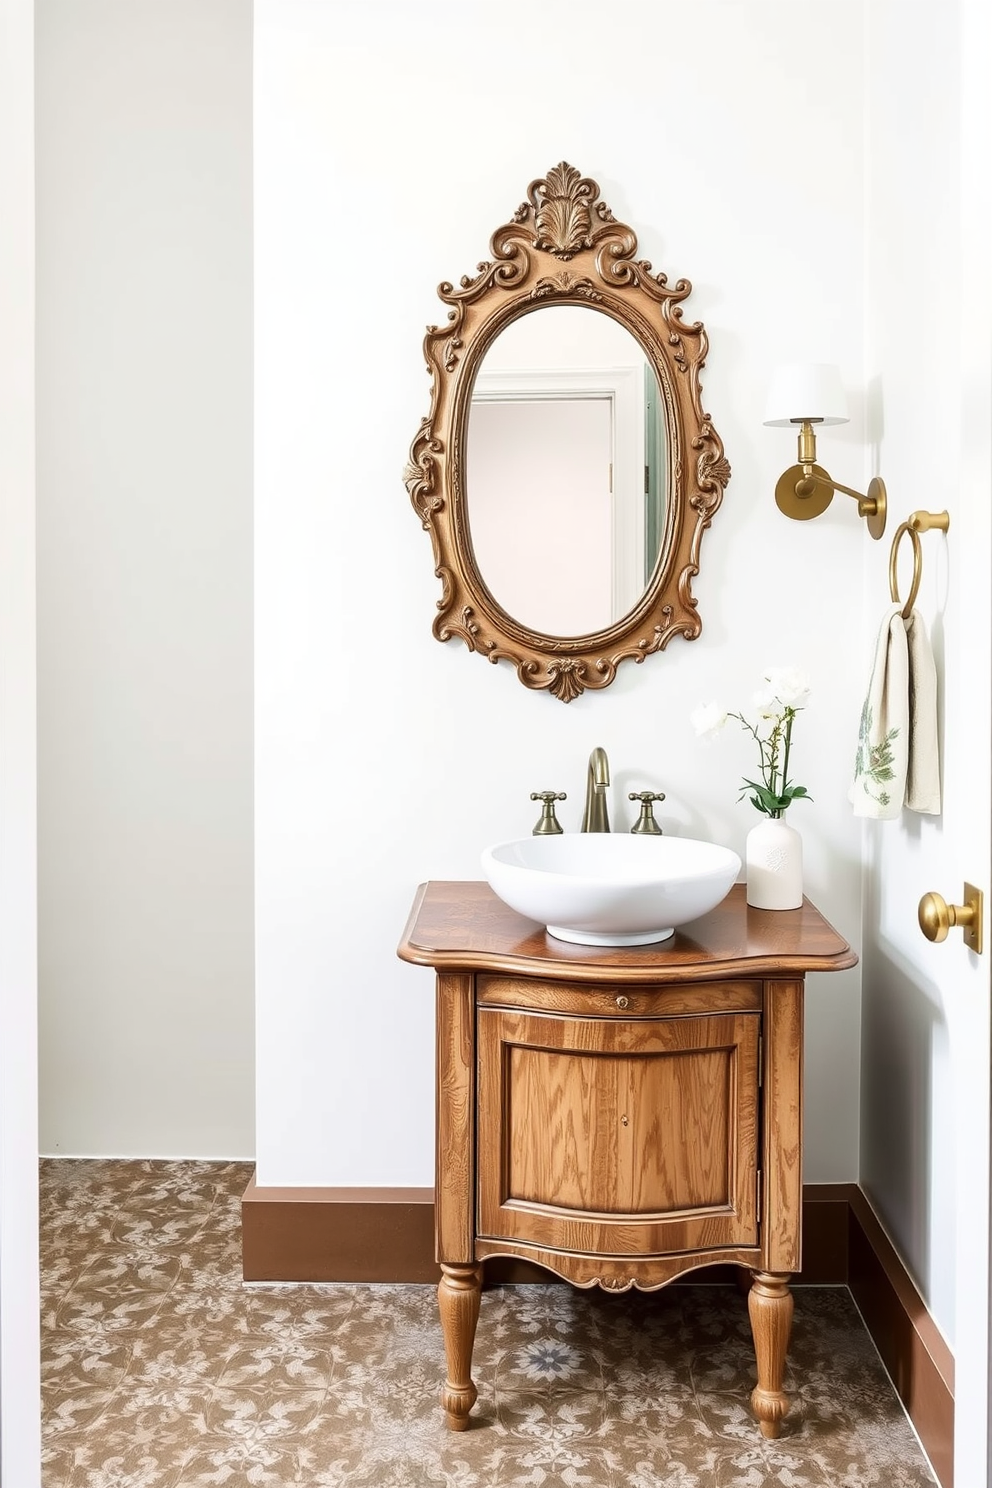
(803,508)
(565,329)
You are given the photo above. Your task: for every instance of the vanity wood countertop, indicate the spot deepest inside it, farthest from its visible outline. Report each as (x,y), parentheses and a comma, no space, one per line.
(456,924)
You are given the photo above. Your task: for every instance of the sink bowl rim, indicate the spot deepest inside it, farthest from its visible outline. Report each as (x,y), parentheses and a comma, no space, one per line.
(703,859)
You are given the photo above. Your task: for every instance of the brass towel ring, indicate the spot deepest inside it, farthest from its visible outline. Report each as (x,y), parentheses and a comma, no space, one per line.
(920,521)
(914,587)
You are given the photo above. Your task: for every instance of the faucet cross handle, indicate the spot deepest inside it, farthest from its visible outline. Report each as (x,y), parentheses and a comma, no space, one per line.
(645,825)
(549,825)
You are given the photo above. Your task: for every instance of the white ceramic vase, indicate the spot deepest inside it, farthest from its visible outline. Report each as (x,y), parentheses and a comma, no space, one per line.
(774,858)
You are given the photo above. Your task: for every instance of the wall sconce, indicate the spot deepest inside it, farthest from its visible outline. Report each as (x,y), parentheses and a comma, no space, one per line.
(804,394)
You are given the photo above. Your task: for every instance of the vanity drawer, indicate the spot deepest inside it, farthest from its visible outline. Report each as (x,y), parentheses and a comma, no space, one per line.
(608,999)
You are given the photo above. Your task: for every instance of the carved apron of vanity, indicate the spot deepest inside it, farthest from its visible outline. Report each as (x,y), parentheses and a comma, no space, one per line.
(619,1116)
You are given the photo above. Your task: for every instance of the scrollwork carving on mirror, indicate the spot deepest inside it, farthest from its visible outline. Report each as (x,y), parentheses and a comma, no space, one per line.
(563,246)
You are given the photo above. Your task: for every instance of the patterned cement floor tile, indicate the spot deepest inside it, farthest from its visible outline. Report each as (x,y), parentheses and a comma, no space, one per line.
(161,1369)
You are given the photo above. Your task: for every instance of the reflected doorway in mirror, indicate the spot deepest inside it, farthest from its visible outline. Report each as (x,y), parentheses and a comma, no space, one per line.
(564,474)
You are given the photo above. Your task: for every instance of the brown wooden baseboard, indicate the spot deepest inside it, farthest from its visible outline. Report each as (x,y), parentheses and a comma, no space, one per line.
(913,1351)
(387,1234)
(337,1234)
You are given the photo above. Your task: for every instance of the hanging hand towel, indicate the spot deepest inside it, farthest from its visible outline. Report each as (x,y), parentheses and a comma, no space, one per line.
(897,760)
(882,760)
(923,771)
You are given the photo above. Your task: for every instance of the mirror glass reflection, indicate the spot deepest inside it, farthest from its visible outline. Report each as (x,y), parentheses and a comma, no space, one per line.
(566,470)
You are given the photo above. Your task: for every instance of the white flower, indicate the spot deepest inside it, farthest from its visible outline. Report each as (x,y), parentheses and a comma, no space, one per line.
(708,719)
(767,705)
(789,685)
(778,704)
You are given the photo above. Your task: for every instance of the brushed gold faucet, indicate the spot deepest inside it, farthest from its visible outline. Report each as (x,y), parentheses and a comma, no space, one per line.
(596,817)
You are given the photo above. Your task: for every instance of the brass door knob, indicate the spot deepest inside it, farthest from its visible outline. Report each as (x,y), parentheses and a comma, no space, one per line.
(937,917)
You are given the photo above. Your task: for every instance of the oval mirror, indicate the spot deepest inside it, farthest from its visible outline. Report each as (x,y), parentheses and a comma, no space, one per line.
(565,446)
(546,560)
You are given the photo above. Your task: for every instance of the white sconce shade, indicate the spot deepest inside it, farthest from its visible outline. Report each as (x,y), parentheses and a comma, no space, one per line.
(806,390)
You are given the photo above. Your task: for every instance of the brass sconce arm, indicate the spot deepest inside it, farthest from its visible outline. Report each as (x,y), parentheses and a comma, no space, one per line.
(806,490)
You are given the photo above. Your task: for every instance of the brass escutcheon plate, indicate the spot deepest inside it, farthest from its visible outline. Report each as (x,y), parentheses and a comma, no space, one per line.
(802,508)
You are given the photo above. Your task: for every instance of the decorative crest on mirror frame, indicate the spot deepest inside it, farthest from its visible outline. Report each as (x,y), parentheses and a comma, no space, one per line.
(564,246)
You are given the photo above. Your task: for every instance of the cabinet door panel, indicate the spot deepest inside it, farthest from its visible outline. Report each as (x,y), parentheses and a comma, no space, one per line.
(604,1135)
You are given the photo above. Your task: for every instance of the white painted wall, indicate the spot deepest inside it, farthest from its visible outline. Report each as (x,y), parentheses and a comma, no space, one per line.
(144,576)
(385,758)
(19,1311)
(925,1121)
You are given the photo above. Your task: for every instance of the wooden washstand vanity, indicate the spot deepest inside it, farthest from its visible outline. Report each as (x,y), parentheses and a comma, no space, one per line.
(619,1116)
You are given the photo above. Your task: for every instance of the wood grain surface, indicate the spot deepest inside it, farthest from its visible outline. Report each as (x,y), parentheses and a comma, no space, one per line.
(621,1115)
(463,924)
(619,1136)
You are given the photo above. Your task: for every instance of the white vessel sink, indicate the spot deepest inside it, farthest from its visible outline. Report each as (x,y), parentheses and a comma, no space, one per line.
(610,889)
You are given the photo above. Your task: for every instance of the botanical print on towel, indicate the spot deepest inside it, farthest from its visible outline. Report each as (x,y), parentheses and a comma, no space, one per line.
(874,763)
(882,758)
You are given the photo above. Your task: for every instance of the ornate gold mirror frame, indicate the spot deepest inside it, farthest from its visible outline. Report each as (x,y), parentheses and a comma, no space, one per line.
(565,247)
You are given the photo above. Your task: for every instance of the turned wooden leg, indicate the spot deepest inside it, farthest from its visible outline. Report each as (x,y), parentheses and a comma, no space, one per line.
(770,1306)
(458,1296)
